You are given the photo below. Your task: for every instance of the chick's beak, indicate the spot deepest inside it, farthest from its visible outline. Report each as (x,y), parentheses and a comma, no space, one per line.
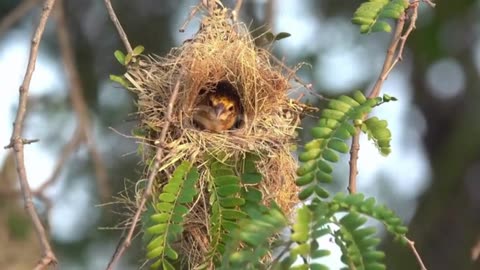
(219,109)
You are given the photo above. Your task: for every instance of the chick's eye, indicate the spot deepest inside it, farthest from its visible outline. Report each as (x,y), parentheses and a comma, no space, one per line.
(230,108)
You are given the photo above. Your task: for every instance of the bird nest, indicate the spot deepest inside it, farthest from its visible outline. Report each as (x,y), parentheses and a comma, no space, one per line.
(220,57)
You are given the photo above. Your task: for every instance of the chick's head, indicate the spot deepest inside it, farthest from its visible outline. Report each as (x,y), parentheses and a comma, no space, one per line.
(225,107)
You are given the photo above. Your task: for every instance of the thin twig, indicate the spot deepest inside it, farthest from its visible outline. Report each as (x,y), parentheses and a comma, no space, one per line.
(411,244)
(280,255)
(117,24)
(79,104)
(190,17)
(236,10)
(16,14)
(18,143)
(389,58)
(211,5)
(269,14)
(403,38)
(292,73)
(67,150)
(430,3)
(153,171)
(101,173)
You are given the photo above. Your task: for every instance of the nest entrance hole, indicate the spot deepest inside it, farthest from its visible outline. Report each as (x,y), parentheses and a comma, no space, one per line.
(221,88)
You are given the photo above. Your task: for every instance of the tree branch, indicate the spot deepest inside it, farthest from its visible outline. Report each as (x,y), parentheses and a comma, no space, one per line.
(153,171)
(386,69)
(16,14)
(117,24)
(397,45)
(411,244)
(18,143)
(67,150)
(78,102)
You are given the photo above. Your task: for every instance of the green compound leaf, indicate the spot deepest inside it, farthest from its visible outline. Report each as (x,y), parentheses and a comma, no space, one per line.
(337,124)
(251,241)
(357,203)
(226,202)
(166,223)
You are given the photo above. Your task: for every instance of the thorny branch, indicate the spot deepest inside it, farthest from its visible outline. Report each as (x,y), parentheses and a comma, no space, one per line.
(394,55)
(17,142)
(67,150)
(153,171)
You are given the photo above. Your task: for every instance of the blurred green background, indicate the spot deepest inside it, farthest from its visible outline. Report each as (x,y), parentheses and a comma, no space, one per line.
(432,178)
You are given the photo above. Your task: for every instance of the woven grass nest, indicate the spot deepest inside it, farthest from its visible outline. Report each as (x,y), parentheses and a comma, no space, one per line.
(222,52)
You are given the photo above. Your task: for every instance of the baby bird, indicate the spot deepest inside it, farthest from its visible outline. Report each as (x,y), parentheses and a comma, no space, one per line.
(220,113)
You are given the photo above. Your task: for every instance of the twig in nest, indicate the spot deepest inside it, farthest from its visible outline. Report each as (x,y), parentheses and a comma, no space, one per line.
(153,171)
(190,17)
(211,5)
(236,10)
(292,72)
(117,24)
(18,143)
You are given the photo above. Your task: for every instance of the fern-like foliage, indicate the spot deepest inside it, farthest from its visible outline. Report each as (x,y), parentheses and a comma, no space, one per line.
(358,244)
(225,203)
(336,125)
(251,241)
(306,248)
(372,14)
(368,207)
(169,215)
